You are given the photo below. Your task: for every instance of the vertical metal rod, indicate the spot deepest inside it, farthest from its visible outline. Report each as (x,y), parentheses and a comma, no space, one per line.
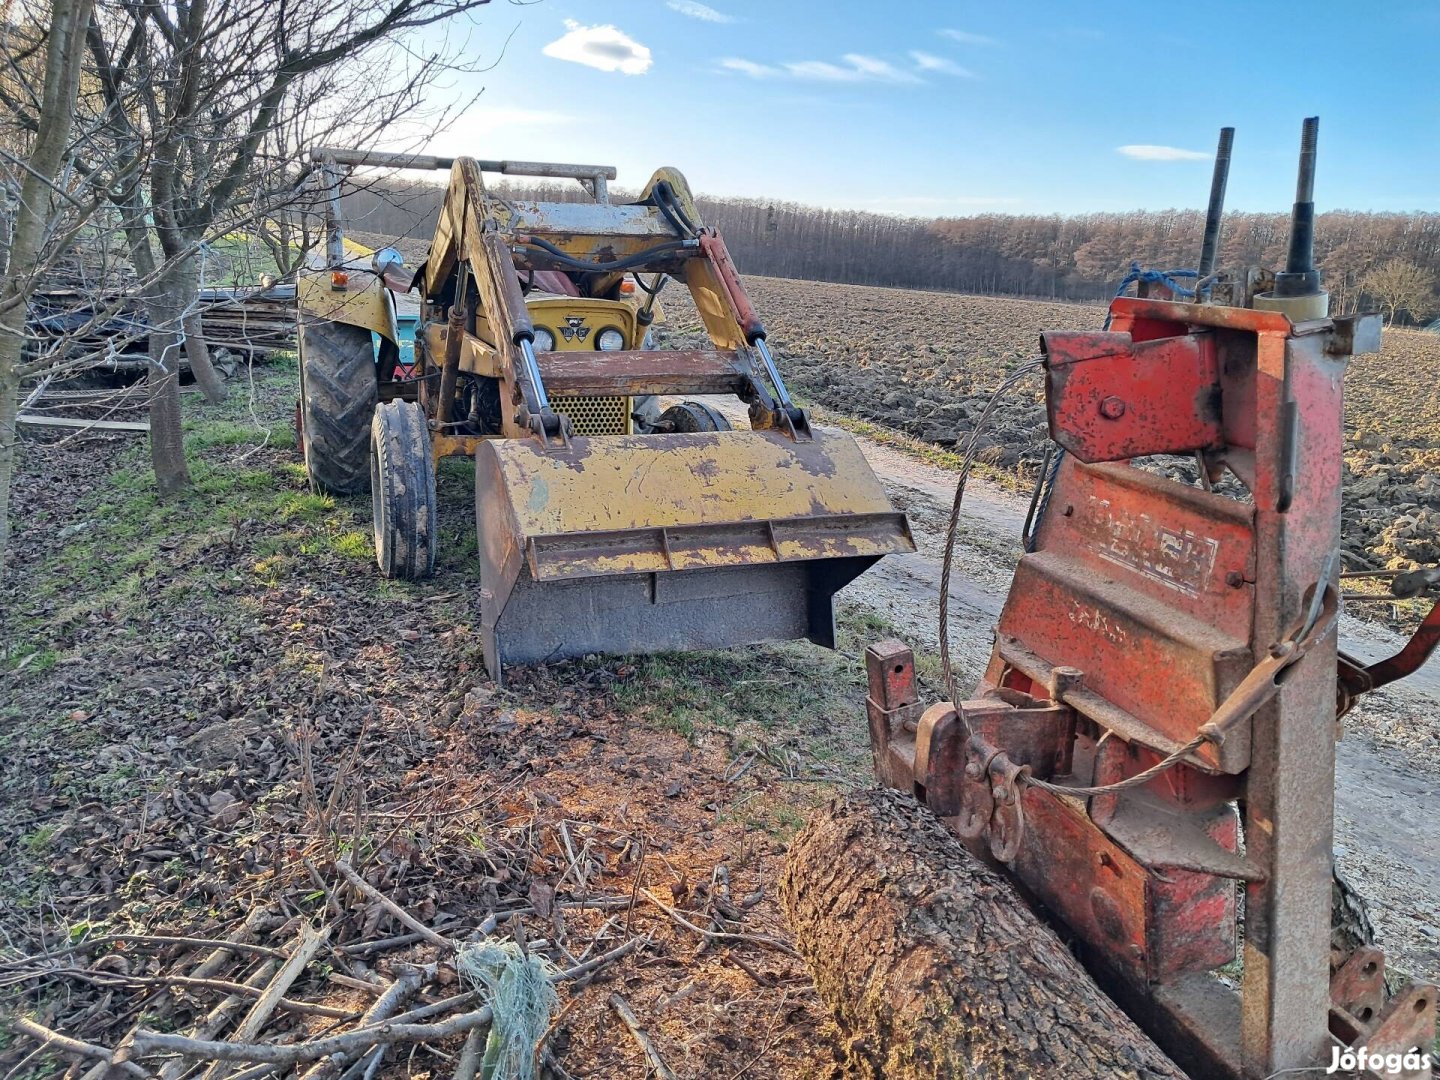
(450,369)
(334,238)
(781,394)
(532,369)
(1216,209)
(1302,218)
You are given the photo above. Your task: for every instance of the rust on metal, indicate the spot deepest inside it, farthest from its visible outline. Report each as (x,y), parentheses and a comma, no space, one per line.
(719,257)
(1407,661)
(1111,398)
(940,759)
(892,706)
(1406,1026)
(1358,986)
(1155,619)
(695,371)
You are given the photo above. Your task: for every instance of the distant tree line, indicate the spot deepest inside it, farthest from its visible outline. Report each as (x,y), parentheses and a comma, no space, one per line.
(1387,261)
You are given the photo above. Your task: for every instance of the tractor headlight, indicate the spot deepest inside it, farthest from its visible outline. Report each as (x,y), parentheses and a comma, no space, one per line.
(610,340)
(544,340)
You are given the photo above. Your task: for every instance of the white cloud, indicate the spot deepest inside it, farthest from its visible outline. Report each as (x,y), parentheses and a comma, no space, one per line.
(703,12)
(749,67)
(822,71)
(964,37)
(1146,152)
(856,68)
(871,68)
(938,64)
(604,47)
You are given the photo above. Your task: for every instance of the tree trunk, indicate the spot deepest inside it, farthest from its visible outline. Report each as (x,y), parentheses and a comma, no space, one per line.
(165,308)
(933,965)
(196,350)
(63,53)
(9,409)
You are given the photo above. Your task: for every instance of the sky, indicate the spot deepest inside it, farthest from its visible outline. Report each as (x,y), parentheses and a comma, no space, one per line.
(946,109)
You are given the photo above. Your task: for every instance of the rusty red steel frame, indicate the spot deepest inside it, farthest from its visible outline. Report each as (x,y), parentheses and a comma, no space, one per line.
(1156,618)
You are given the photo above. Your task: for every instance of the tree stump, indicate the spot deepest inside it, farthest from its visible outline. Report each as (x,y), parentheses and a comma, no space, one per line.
(934,967)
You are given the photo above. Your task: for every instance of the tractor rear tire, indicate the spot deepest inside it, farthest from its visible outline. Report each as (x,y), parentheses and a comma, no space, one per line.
(402,491)
(691,416)
(337,399)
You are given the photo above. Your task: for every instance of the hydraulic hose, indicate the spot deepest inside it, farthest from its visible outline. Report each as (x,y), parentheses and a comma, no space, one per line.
(640,258)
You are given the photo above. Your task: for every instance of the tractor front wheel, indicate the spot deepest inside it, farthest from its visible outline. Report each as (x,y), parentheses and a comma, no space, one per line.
(402,491)
(692,416)
(337,398)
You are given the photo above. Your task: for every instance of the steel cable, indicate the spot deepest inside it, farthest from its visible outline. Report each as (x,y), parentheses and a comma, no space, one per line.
(1207,733)
(972,449)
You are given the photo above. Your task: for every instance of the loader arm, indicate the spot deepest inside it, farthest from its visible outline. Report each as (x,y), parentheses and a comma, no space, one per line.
(684,534)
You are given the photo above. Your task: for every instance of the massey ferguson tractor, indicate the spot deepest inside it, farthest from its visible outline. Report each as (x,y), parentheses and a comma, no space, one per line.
(1149,757)
(606,524)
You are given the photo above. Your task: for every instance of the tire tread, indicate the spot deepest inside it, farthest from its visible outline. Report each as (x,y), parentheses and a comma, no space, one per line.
(338,392)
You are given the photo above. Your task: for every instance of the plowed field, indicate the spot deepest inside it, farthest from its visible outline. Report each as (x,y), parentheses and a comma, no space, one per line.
(925,364)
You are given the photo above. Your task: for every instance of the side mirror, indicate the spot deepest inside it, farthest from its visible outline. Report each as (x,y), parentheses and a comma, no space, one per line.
(385,259)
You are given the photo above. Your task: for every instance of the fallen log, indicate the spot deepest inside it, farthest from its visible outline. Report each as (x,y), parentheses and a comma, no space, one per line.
(932,964)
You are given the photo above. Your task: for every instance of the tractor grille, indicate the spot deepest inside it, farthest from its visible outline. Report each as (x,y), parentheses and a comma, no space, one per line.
(595,415)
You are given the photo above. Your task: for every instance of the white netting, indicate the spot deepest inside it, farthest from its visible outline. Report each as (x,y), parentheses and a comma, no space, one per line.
(518,989)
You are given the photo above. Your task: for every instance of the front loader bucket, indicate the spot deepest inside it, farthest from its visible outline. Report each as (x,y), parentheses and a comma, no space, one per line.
(656,542)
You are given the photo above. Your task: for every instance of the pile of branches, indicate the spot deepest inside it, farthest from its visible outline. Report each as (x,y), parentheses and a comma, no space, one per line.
(260,926)
(113,333)
(256,1029)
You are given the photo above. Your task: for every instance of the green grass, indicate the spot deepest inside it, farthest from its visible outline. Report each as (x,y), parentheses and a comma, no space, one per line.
(37,843)
(246,258)
(241,499)
(33,658)
(790,692)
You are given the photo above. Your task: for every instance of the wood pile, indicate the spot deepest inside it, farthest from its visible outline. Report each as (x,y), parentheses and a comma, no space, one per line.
(113,330)
(254,1027)
(253,323)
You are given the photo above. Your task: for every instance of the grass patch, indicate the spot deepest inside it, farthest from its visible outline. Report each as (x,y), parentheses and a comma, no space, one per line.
(256,510)
(37,843)
(32,658)
(244,258)
(206,434)
(353,545)
(777,818)
(766,693)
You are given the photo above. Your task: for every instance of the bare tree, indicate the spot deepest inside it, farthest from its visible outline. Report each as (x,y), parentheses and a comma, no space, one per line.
(1399,285)
(198,98)
(36,219)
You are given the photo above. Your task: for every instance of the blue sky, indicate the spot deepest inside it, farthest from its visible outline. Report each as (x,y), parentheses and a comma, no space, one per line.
(959,108)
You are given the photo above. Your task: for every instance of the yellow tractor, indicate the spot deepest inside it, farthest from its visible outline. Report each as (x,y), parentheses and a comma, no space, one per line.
(606,524)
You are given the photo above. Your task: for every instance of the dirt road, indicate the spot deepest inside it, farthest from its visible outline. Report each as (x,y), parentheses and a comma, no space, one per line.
(1388,771)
